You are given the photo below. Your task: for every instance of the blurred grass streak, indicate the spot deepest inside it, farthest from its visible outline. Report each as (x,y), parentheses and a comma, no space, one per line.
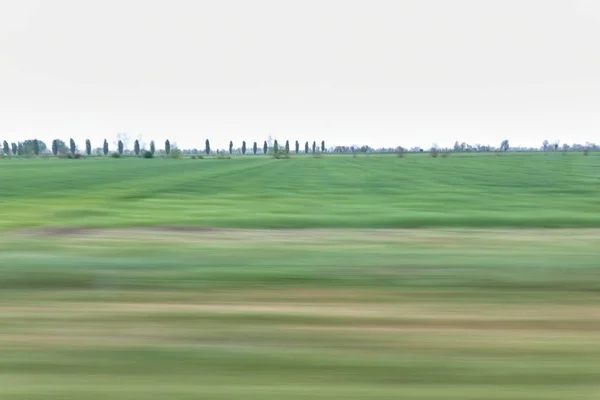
(305,314)
(516,190)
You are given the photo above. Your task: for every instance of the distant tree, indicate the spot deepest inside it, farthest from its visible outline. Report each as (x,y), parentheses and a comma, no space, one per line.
(275,147)
(136,147)
(504,146)
(457,146)
(265,148)
(20,151)
(243,147)
(105,147)
(58,146)
(297,147)
(120,147)
(6,148)
(14,148)
(207,147)
(88,147)
(152,148)
(72,146)
(323,146)
(254,148)
(230,147)
(32,147)
(545,145)
(306,148)
(287,147)
(167,147)
(314,147)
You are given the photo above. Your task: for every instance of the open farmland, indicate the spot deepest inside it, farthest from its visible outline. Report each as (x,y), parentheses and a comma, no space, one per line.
(155,279)
(531,190)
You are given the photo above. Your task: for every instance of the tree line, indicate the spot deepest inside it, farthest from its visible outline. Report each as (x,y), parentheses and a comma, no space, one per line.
(59,147)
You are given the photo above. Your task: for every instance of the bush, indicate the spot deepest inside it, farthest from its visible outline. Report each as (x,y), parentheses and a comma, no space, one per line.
(148,154)
(116,155)
(223,157)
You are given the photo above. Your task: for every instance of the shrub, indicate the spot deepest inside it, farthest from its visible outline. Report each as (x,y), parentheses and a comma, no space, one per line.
(148,154)
(115,155)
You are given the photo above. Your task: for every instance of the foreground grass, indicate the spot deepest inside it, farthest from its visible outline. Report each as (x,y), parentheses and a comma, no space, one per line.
(311,314)
(531,190)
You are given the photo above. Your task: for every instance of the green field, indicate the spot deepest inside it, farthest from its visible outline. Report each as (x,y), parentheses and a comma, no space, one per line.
(156,279)
(532,190)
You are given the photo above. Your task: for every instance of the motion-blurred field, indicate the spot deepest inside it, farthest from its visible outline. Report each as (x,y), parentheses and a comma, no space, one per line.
(532,190)
(133,279)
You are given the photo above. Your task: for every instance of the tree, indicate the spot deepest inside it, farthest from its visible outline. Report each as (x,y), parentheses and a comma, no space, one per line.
(207,147)
(323,146)
(136,147)
(314,149)
(265,148)
(72,146)
(545,145)
(6,148)
(20,151)
(504,146)
(33,147)
(275,147)
(287,147)
(105,147)
(230,147)
(167,147)
(243,147)
(88,147)
(254,148)
(297,147)
(152,147)
(14,148)
(120,147)
(306,148)
(59,147)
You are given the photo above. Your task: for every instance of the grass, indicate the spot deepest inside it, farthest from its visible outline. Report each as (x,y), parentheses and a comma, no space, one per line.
(104,292)
(305,314)
(531,190)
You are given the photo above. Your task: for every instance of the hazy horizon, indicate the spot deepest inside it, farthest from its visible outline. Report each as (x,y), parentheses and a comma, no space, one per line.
(379,73)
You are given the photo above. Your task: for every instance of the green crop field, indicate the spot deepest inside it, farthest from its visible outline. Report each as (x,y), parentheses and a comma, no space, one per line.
(188,279)
(532,190)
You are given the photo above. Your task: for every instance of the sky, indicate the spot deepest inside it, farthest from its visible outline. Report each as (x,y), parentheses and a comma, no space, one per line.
(350,72)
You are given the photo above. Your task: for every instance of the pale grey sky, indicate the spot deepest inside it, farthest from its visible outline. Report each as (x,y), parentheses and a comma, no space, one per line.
(377,72)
